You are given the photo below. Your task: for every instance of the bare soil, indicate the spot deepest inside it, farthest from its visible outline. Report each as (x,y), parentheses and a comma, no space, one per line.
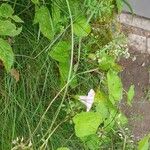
(136,71)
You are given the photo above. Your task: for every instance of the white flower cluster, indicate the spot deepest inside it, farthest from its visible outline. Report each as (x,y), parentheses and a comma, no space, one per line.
(118,47)
(19,144)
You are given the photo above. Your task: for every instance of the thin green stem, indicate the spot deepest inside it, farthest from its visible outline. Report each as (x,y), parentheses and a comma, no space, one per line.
(70,72)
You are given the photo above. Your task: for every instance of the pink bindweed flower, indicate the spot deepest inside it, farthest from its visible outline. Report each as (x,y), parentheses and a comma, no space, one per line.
(88,100)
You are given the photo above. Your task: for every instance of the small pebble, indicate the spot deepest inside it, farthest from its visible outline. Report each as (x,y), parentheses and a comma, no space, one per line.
(134,58)
(143,64)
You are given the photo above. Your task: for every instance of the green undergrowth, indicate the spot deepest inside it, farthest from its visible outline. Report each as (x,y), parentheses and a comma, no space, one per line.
(23,103)
(61,53)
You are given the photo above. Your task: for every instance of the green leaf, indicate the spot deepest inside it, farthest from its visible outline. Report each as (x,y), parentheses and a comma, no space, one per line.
(56,16)
(43,17)
(17,19)
(9,29)
(115,87)
(92,142)
(103,110)
(64,71)
(6,10)
(109,123)
(35,1)
(86,123)
(63,148)
(101,101)
(106,62)
(144,143)
(6,54)
(81,27)
(130,95)
(61,52)
(75,8)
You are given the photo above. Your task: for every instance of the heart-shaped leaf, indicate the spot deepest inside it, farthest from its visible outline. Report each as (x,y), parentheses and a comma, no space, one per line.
(86,123)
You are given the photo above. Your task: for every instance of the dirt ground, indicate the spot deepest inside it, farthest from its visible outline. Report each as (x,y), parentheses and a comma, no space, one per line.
(136,71)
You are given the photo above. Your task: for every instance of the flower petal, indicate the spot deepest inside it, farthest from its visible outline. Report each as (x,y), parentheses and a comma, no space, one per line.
(91,93)
(88,100)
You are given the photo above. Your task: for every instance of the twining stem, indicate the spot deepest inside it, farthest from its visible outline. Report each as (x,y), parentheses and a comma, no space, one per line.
(65,88)
(69,74)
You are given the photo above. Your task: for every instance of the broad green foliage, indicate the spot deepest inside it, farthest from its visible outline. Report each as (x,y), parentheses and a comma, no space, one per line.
(61,52)
(92,142)
(57,17)
(9,29)
(144,143)
(64,71)
(114,86)
(81,27)
(106,62)
(109,121)
(103,110)
(130,95)
(76,9)
(43,18)
(86,123)
(6,54)
(6,10)
(102,104)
